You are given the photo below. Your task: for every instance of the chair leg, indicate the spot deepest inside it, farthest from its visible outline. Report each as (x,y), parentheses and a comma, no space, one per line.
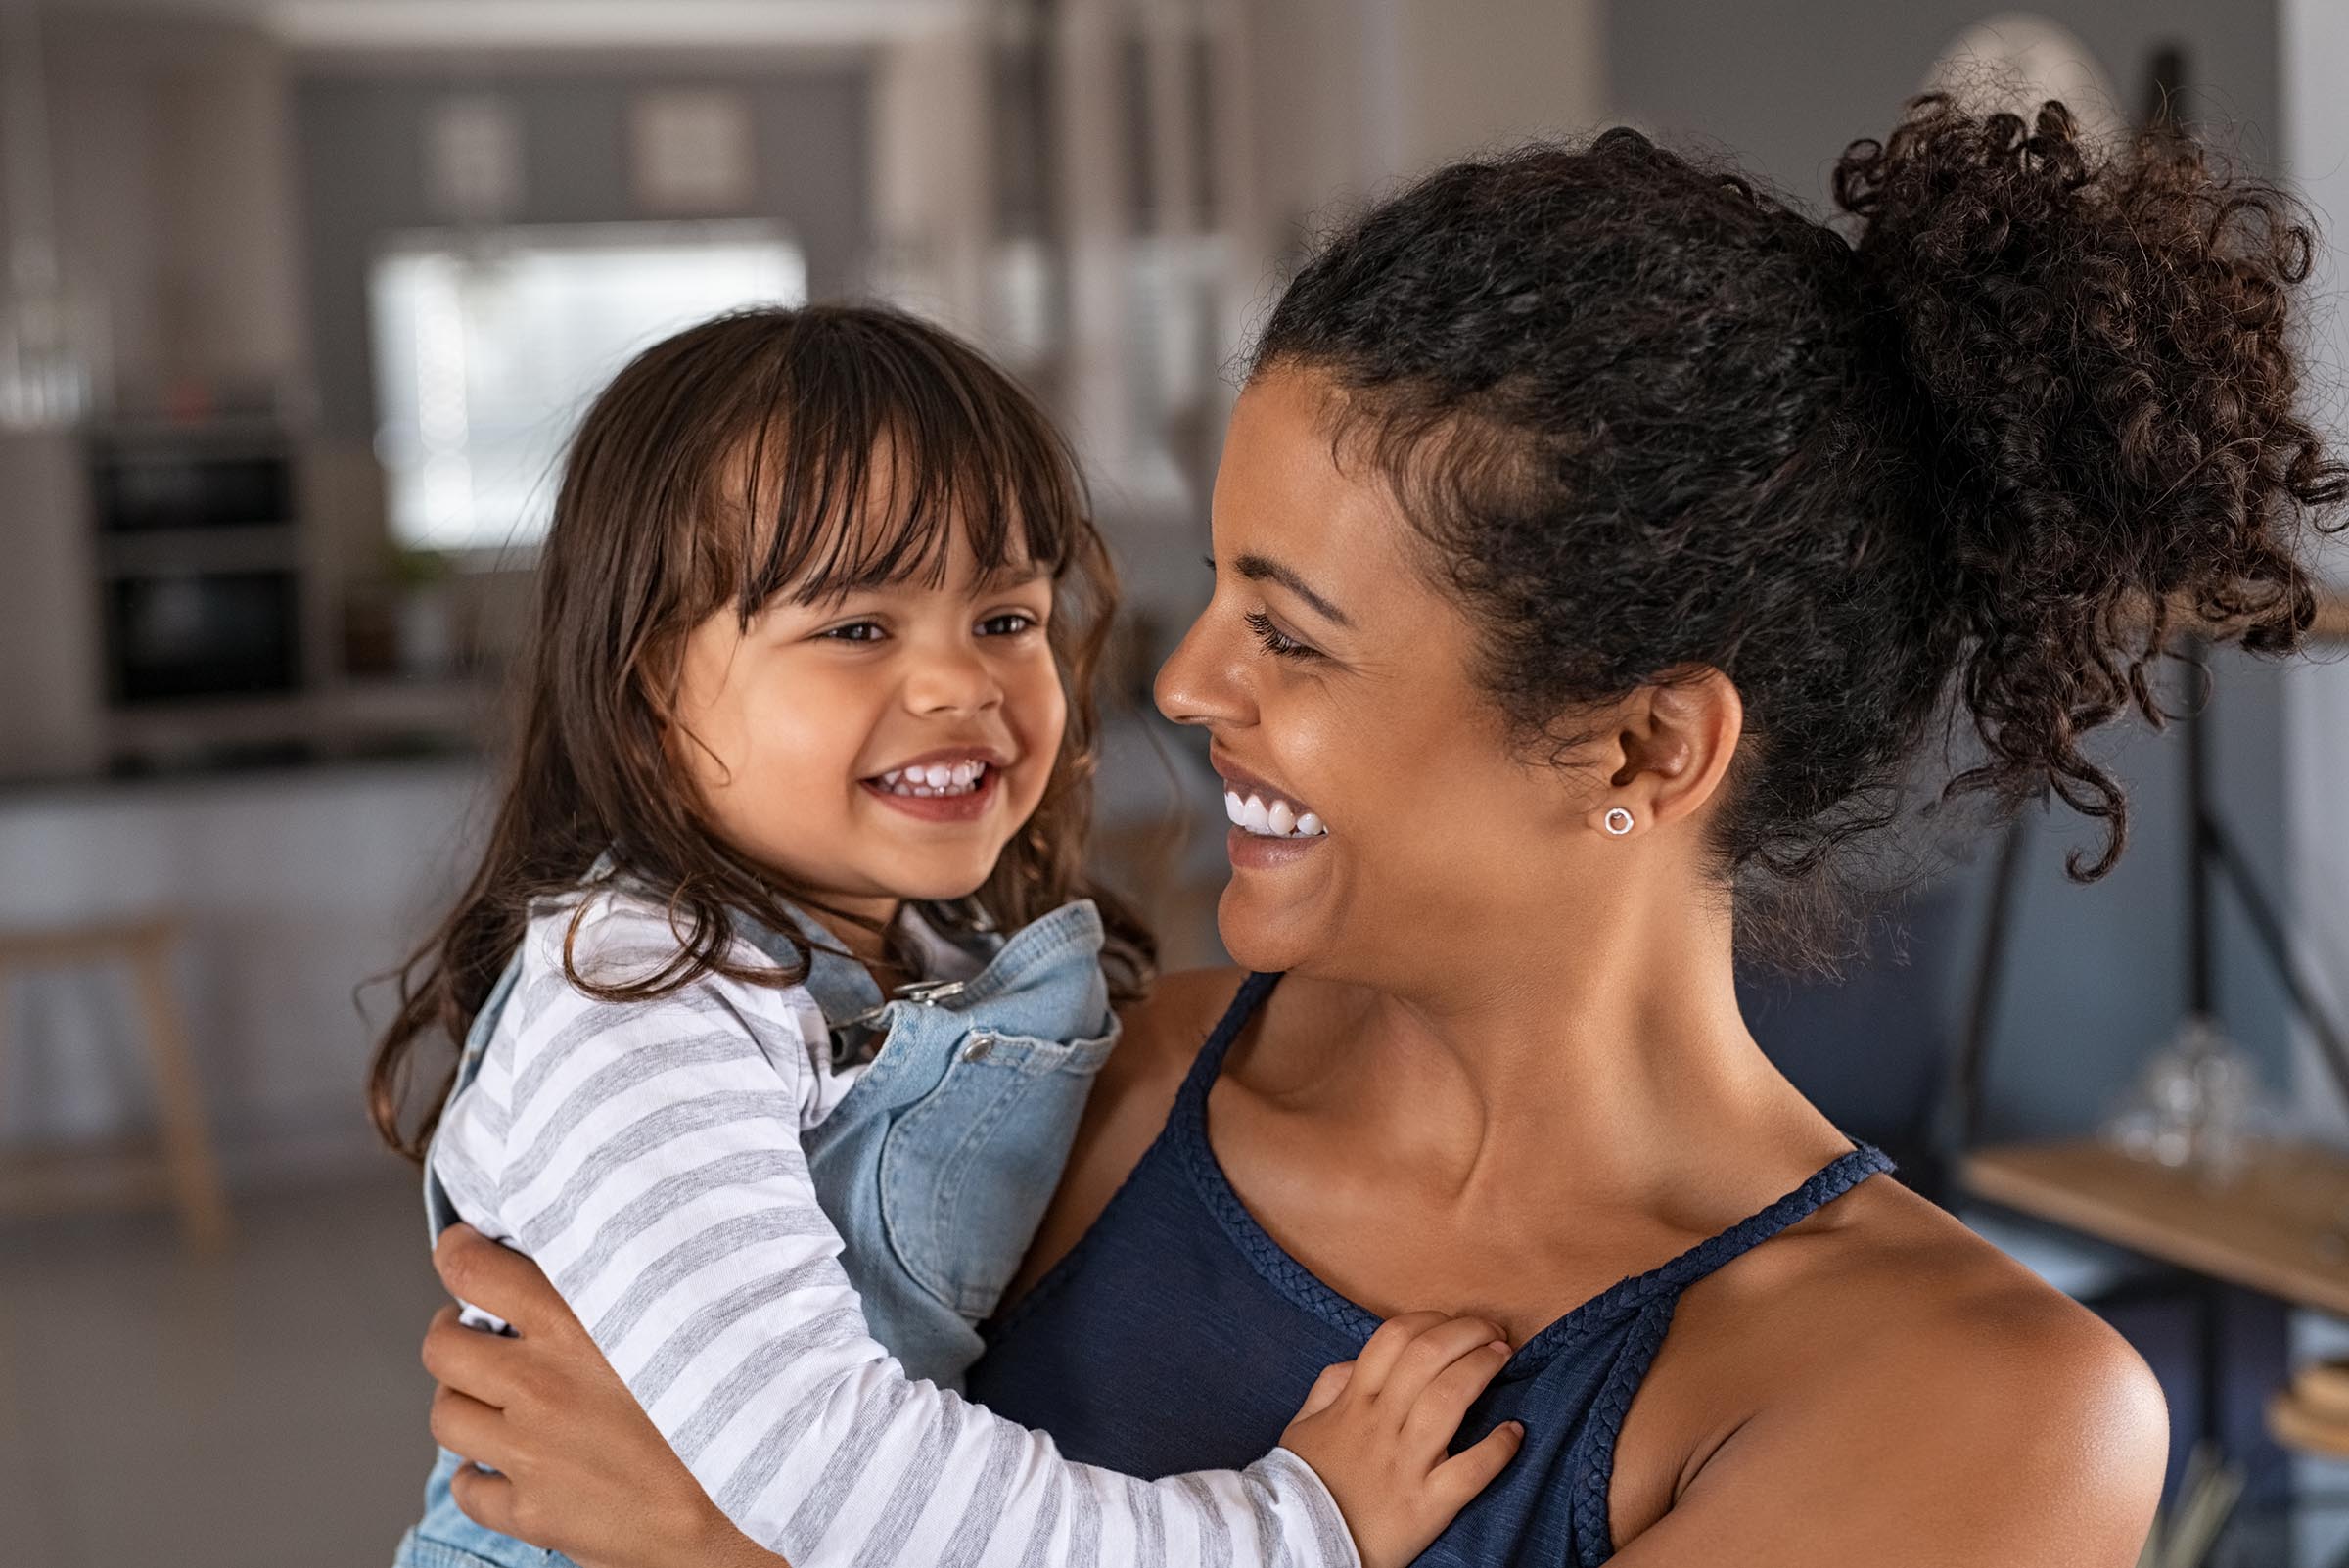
(186,1142)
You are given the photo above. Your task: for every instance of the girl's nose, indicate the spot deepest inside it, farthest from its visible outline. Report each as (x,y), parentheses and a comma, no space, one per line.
(952,681)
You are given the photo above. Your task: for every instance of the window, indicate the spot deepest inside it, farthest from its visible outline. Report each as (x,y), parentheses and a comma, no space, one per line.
(490,347)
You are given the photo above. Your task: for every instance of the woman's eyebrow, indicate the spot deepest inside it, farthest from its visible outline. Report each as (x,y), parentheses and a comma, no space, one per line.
(1264,569)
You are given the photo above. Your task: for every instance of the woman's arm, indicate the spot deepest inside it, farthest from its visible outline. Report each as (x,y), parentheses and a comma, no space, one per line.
(646,1158)
(649,1162)
(580,1469)
(608,1492)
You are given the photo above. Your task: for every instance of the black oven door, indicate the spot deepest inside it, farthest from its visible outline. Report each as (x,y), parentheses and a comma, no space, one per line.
(203,634)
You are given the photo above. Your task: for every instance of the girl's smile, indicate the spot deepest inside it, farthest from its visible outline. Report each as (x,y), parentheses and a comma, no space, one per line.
(959,784)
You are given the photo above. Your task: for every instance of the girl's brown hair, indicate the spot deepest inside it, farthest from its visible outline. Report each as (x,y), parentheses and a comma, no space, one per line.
(752,455)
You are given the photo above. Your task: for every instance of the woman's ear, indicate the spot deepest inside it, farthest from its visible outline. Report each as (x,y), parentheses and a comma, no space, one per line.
(1669,752)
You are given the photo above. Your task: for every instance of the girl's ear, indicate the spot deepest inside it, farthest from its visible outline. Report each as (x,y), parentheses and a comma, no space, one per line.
(659,678)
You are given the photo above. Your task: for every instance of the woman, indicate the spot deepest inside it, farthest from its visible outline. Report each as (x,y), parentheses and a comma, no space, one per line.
(1599,548)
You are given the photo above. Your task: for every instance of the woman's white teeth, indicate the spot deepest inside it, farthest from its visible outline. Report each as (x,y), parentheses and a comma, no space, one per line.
(934,778)
(1279,820)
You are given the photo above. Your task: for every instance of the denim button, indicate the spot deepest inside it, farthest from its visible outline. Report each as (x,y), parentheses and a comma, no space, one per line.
(982,1043)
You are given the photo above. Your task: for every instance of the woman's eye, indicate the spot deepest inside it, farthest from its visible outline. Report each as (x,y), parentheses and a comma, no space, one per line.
(855,632)
(1275,640)
(1010,624)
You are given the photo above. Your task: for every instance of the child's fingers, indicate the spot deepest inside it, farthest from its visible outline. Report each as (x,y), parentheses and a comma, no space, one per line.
(1417,1364)
(1326,1389)
(1435,1415)
(1466,1473)
(1376,1360)
(498,1279)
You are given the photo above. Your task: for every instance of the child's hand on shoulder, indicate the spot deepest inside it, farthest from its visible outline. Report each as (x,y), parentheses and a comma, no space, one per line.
(1377,1431)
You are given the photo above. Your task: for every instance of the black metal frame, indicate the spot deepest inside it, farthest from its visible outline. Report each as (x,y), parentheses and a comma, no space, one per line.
(2212,855)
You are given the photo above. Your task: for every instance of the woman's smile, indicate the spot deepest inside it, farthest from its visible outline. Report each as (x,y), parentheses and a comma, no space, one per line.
(1270,825)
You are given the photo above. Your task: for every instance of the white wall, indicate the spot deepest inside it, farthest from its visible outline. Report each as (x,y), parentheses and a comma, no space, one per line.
(2315,138)
(1349,94)
(2316,147)
(297,887)
(174,197)
(1489,73)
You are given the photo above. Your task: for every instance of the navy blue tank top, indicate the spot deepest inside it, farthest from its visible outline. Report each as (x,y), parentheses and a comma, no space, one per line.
(1178,1335)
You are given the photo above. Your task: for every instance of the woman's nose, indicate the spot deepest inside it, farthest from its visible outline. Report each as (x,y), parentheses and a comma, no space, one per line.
(1197,683)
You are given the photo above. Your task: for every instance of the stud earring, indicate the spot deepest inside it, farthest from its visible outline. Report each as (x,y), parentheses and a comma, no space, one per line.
(1619,821)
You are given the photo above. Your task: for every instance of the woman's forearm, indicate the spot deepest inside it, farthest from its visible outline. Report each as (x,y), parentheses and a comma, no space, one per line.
(697,1256)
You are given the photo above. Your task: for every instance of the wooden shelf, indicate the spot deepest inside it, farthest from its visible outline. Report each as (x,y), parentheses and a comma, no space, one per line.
(351,713)
(2333,616)
(2281,1228)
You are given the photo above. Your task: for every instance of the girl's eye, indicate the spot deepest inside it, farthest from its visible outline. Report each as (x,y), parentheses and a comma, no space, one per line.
(1275,640)
(856,632)
(1010,624)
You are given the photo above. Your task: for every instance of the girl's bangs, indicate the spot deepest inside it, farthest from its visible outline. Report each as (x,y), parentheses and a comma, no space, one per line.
(867,453)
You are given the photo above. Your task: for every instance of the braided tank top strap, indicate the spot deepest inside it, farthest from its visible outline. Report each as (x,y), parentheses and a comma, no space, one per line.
(1191,1101)
(1832,1181)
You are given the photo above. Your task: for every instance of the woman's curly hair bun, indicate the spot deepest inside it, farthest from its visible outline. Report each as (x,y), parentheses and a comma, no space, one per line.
(2101,343)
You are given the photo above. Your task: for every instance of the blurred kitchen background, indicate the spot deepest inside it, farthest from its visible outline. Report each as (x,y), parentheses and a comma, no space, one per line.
(297,301)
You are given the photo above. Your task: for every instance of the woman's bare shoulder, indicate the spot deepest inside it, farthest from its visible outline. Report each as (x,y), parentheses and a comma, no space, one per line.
(1886,1281)
(1988,1411)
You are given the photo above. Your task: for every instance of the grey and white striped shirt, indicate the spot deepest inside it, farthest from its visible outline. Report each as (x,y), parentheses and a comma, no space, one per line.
(647,1155)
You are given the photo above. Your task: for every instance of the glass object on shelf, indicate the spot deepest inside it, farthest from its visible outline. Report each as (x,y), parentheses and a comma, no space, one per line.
(490,344)
(52,329)
(2198,1106)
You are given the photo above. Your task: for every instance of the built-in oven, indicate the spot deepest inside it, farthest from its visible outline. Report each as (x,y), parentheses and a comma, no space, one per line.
(199,552)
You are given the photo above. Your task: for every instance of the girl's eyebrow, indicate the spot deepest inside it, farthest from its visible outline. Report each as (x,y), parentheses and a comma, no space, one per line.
(1264,569)
(1012,575)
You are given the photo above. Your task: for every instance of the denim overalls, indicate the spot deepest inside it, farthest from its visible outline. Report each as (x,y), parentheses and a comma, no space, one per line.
(935,1166)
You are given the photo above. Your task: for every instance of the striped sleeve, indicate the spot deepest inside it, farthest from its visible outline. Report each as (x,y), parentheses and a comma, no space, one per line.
(650,1163)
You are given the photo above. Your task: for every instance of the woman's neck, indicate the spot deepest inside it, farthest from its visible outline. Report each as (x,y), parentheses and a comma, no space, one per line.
(1620,1042)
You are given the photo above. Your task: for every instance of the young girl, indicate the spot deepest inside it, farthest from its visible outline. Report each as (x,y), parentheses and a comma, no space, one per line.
(781,992)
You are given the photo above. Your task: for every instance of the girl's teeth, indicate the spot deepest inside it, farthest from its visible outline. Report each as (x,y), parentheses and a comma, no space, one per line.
(1283,819)
(1309,827)
(934,779)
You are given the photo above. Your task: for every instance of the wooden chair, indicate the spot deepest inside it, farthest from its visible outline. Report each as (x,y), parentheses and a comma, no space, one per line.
(178,1163)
